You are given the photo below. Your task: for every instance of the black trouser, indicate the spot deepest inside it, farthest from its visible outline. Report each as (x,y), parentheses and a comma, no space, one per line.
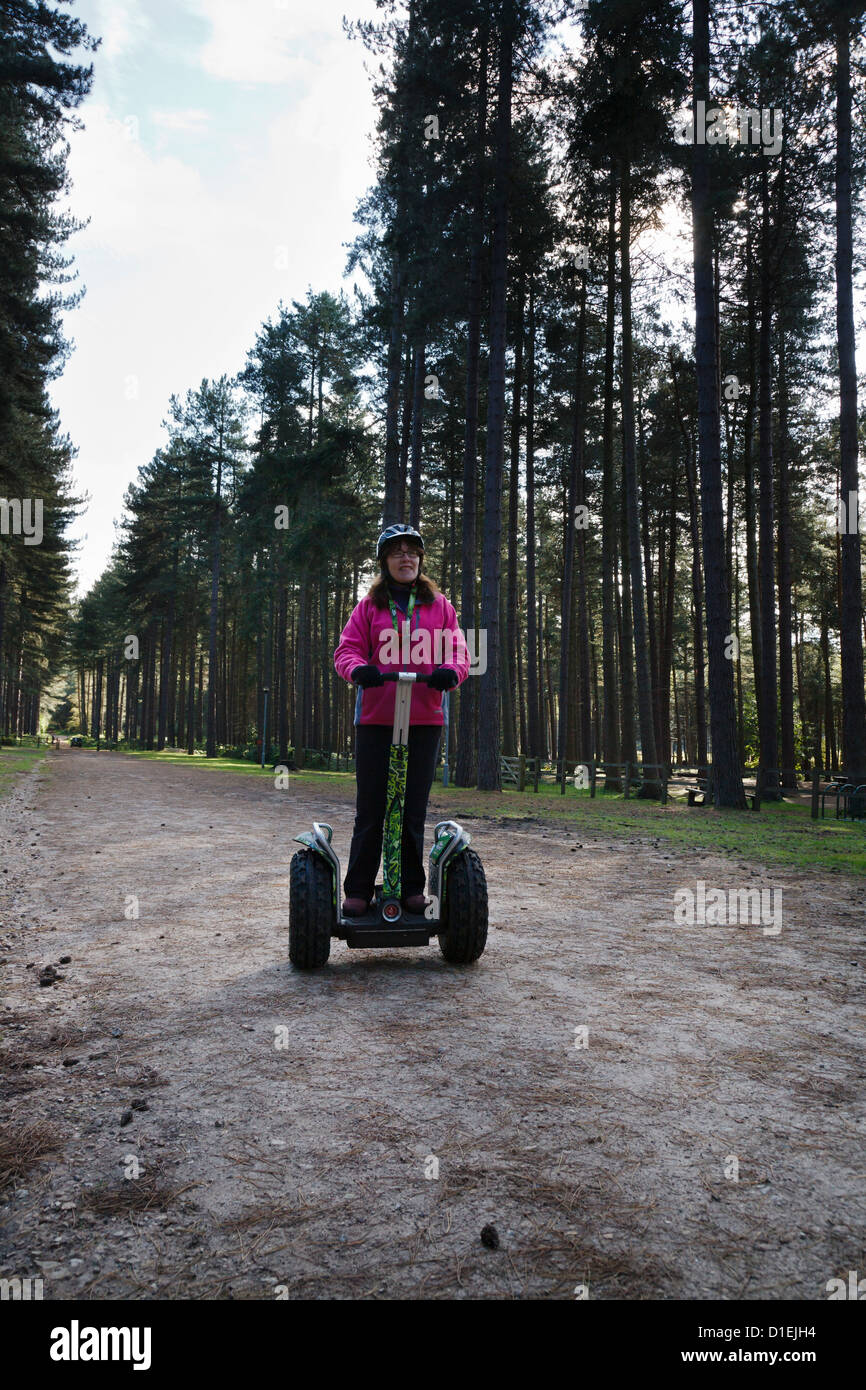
(372,744)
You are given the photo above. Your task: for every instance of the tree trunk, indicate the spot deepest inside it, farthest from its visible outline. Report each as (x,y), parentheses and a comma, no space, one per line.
(190,713)
(417,432)
(212,680)
(832,760)
(283,676)
(466,761)
(509,739)
(626,649)
(391,505)
(575,469)
(651,785)
(533,711)
(786,663)
(611,752)
(166,654)
(489,778)
(405,434)
(768,706)
(666,642)
(586,750)
(654,621)
(697,580)
(727,777)
(326,665)
(851,619)
(751,511)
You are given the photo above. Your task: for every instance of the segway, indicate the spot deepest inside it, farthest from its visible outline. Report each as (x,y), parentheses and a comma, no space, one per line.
(457,914)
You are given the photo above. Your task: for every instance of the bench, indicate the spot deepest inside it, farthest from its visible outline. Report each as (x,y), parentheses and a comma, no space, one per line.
(699,794)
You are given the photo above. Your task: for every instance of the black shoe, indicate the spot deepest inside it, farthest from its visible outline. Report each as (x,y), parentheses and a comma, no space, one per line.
(416,903)
(355,907)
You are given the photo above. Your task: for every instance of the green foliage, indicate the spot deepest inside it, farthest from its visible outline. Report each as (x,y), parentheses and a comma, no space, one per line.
(39,92)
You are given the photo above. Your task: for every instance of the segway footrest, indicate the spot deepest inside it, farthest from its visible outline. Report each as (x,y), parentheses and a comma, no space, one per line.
(359,935)
(412,929)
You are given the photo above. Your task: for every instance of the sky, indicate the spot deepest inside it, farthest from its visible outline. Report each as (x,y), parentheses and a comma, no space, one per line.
(226,144)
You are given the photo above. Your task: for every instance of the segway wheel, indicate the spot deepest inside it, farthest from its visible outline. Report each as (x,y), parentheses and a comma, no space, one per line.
(465,914)
(312,916)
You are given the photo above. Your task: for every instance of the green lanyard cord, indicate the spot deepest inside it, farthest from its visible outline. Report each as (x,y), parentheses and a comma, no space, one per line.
(409,609)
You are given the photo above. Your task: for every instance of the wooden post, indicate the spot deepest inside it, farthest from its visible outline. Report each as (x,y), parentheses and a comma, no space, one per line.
(816,788)
(521,772)
(627,780)
(759,787)
(537,761)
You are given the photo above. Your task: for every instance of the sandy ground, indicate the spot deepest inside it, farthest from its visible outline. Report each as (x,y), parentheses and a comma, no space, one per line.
(706,1142)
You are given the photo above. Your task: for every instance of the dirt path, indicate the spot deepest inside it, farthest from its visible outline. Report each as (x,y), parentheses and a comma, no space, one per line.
(303,1167)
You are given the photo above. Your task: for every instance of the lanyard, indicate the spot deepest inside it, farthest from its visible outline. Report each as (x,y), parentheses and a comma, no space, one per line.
(409,608)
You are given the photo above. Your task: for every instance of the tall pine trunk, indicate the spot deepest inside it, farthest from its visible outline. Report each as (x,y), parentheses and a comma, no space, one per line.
(629,465)
(611,738)
(509,672)
(727,777)
(751,510)
(786,623)
(532,689)
(212,679)
(489,776)
(851,636)
(697,579)
(768,705)
(466,762)
(566,627)
(417,432)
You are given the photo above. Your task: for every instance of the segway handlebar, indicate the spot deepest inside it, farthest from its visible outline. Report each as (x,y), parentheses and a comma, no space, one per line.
(395,676)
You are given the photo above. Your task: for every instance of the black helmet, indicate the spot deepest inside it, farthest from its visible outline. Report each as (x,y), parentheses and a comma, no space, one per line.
(392,533)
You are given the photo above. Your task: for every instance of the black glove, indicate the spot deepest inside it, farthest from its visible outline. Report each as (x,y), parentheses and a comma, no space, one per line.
(367,675)
(443,679)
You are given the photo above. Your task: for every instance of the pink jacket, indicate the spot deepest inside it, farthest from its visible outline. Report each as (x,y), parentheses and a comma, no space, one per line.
(369,639)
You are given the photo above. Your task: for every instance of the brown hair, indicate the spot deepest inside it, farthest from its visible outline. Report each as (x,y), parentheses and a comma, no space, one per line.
(426,589)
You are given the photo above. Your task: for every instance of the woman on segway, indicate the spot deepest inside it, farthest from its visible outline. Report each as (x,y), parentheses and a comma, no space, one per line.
(374,635)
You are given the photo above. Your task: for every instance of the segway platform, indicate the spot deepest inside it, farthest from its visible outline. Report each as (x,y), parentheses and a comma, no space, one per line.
(372,929)
(456,885)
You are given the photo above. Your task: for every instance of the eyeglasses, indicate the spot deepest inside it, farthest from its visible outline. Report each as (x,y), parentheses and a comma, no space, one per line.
(404,547)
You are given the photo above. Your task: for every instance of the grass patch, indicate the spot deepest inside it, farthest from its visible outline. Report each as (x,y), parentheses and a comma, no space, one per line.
(149,1192)
(173,758)
(14,762)
(780,833)
(21,1148)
